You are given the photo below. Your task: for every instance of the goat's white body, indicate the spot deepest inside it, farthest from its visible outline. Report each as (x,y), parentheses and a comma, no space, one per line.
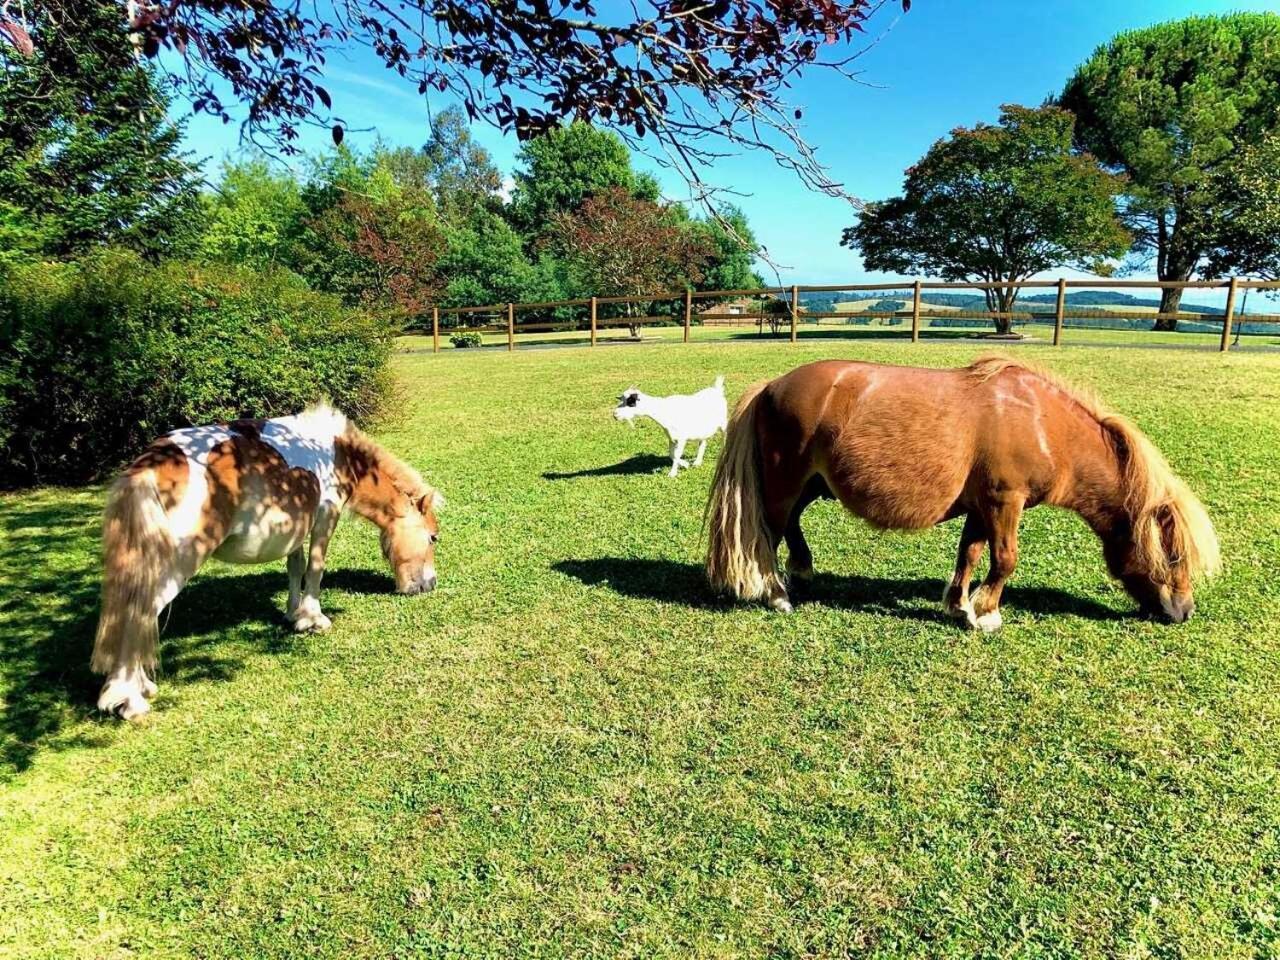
(685,417)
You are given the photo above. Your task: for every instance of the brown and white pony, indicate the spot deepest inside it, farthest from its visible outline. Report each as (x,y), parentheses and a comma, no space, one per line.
(250,491)
(907,448)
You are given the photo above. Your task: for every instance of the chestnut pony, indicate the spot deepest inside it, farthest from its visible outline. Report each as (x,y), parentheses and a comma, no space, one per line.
(250,491)
(907,448)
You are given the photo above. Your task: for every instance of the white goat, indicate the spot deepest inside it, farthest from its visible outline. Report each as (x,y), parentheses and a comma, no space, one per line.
(685,417)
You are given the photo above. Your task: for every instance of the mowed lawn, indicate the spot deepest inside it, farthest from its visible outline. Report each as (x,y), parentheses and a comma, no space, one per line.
(572,750)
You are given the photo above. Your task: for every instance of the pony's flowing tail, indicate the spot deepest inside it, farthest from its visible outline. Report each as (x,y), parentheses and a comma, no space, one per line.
(741,554)
(137,551)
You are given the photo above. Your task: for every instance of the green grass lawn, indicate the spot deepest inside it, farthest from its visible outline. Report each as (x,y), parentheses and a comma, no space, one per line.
(418,342)
(572,750)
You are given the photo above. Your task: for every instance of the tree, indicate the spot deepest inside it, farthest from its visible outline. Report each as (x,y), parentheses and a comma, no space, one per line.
(88,155)
(1168,106)
(484,262)
(559,170)
(368,238)
(998,204)
(732,250)
(689,75)
(253,217)
(620,245)
(457,171)
(1246,236)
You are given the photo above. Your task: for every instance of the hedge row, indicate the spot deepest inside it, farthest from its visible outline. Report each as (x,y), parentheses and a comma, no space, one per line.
(100,356)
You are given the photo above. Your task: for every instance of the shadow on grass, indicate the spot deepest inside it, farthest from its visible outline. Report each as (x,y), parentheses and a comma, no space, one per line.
(49,614)
(640,463)
(911,599)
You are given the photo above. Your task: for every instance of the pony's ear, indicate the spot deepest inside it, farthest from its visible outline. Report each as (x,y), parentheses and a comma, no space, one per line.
(431,500)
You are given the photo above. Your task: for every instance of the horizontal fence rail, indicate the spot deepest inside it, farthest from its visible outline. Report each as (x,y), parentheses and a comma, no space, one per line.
(780,308)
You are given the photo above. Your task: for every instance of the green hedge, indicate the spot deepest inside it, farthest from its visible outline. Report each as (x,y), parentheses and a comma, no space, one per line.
(100,356)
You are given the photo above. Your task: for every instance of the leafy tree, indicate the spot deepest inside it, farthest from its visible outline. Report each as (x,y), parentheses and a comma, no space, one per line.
(680,72)
(88,155)
(484,262)
(368,238)
(996,203)
(617,244)
(732,248)
(253,217)
(457,171)
(1246,238)
(559,170)
(1168,106)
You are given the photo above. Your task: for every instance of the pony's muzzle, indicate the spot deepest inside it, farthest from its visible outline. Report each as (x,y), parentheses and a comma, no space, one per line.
(1173,610)
(1180,609)
(421,585)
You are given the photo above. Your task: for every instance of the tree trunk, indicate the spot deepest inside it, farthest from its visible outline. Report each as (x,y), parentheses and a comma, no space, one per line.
(1004,300)
(1170,299)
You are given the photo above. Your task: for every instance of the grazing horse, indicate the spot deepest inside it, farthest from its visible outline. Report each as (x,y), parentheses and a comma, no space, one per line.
(250,491)
(907,448)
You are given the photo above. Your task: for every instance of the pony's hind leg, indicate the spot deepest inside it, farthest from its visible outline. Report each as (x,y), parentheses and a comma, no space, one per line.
(1002,522)
(799,556)
(973,540)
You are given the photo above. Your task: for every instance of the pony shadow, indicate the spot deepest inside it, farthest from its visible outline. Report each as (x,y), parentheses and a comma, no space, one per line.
(50,616)
(640,463)
(669,581)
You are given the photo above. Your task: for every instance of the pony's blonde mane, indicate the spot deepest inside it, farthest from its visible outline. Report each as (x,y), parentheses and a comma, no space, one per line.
(1153,494)
(404,477)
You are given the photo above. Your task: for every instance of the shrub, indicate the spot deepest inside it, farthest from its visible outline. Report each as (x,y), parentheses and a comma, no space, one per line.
(100,356)
(463,340)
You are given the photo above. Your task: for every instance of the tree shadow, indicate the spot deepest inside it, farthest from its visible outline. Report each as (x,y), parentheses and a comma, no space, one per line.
(49,616)
(918,599)
(639,463)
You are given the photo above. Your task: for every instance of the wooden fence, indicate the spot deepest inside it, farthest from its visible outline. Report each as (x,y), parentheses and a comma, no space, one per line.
(791,313)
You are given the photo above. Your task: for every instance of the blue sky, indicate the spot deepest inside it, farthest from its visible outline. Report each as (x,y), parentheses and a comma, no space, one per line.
(944,64)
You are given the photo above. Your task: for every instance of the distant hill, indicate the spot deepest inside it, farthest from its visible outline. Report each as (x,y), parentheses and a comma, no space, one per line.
(1107,299)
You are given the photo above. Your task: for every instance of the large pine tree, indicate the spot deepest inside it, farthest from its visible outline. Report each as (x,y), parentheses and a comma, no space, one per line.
(88,154)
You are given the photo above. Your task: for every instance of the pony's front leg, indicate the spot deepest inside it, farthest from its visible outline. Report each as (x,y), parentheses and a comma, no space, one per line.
(1003,525)
(973,539)
(307,616)
(297,567)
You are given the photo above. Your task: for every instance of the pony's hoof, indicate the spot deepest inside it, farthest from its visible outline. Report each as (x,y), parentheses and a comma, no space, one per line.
(312,623)
(781,605)
(988,622)
(125,702)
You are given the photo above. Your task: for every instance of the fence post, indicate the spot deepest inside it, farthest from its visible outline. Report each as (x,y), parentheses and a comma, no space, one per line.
(795,309)
(688,312)
(593,321)
(435,329)
(1059,311)
(1227,317)
(511,327)
(915,313)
